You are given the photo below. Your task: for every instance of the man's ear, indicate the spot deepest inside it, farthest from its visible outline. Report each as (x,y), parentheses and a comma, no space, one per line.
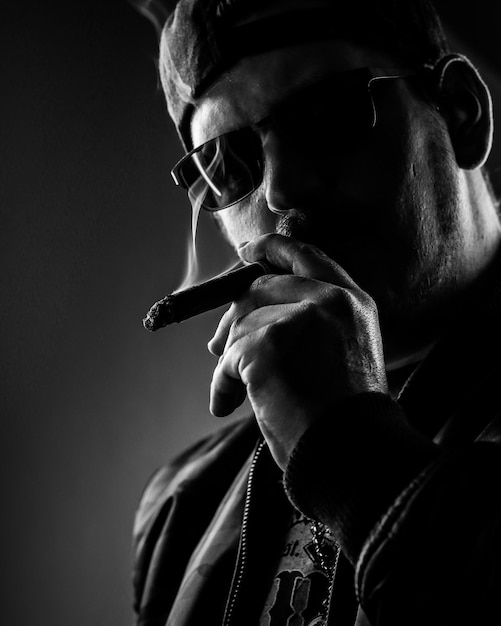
(465,104)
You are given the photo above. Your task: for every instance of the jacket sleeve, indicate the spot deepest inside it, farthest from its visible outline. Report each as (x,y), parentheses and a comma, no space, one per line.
(421,524)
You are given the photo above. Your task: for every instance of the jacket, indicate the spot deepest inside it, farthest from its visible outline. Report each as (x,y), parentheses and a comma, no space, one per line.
(208,524)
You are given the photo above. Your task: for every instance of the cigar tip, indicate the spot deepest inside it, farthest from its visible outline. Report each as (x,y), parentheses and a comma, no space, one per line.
(158,316)
(152,320)
(149,323)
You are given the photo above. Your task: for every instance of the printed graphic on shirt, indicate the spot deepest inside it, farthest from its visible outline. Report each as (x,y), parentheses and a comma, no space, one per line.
(300,585)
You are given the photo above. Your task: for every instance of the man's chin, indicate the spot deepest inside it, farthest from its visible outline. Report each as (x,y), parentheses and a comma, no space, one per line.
(363,256)
(358,254)
(364,261)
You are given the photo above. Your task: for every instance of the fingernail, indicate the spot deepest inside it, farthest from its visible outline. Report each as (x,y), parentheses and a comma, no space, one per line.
(213,347)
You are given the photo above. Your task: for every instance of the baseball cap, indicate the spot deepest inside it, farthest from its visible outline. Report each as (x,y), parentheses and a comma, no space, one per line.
(200,39)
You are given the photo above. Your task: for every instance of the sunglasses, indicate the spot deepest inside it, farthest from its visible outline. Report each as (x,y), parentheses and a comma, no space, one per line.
(337,111)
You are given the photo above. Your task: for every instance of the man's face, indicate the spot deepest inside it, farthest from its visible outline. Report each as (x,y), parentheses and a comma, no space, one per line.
(386,207)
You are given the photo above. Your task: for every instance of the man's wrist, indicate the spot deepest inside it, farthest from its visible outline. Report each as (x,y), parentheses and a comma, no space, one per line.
(348,468)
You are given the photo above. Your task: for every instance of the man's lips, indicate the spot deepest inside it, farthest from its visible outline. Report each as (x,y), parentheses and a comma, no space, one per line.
(339,245)
(331,227)
(363,255)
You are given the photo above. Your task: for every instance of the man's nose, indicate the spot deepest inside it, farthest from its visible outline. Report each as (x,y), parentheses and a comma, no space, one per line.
(292,179)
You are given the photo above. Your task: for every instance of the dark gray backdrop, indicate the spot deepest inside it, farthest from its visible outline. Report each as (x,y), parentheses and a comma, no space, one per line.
(92,232)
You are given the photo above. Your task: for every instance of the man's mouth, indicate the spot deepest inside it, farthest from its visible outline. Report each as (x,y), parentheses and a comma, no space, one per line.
(337,238)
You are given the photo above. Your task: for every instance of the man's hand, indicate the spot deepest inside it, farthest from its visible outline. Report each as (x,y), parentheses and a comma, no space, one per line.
(295,343)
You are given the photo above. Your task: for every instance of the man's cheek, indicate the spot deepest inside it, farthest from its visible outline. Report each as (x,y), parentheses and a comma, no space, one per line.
(247,220)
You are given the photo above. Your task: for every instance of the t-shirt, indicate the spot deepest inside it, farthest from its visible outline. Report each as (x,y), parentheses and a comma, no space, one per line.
(300,586)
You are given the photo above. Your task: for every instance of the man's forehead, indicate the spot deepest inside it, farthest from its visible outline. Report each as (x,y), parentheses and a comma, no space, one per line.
(202,39)
(251,89)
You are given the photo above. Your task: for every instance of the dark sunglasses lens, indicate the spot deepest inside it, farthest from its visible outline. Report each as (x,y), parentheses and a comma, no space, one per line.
(349,118)
(333,116)
(223,171)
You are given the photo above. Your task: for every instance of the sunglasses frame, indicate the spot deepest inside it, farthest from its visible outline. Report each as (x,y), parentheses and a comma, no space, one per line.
(372,75)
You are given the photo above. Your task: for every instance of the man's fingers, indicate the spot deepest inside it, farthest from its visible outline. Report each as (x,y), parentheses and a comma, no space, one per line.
(227,391)
(295,257)
(308,273)
(246,316)
(216,344)
(267,300)
(309,277)
(226,394)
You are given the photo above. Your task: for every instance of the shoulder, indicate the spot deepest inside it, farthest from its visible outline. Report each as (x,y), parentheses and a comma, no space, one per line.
(212,460)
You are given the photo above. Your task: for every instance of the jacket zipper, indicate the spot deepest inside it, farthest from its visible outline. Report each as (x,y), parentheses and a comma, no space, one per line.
(242,553)
(332,582)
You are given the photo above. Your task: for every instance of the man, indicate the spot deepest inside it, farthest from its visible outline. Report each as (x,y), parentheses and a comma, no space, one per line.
(346,147)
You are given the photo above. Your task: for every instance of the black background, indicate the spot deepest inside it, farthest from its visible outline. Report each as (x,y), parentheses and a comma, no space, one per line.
(92,233)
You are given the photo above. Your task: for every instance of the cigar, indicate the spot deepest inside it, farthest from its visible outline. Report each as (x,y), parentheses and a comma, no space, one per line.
(181,305)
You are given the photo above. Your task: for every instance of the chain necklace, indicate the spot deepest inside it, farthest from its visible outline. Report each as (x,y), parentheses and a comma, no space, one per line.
(328,557)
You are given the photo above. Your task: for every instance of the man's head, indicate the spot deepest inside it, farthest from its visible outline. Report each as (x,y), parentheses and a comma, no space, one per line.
(200,39)
(400,203)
